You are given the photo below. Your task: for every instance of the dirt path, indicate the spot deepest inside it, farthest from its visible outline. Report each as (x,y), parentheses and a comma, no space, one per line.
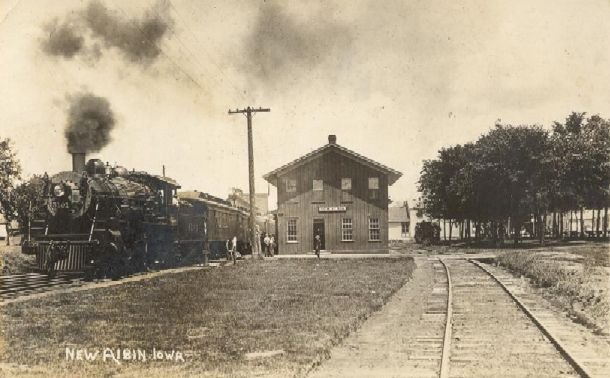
(389,344)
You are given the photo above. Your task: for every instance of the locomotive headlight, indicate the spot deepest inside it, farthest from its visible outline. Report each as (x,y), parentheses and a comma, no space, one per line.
(58,190)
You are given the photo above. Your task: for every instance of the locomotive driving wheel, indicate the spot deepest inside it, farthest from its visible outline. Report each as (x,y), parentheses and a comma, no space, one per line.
(186,254)
(115,267)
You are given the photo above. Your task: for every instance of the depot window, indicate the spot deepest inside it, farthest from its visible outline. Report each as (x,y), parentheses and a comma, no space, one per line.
(318,185)
(346,189)
(318,190)
(347,230)
(373,187)
(291,185)
(291,230)
(374,231)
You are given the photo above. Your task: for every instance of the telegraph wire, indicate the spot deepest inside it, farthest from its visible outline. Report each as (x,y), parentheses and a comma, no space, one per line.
(208,56)
(189,76)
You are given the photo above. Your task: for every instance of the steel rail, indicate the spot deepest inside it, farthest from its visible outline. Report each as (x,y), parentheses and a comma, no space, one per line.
(578,366)
(444,372)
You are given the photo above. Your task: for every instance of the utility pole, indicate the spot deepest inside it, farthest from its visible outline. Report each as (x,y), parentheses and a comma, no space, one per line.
(248,112)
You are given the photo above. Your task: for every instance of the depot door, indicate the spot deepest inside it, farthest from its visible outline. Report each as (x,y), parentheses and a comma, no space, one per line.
(318,229)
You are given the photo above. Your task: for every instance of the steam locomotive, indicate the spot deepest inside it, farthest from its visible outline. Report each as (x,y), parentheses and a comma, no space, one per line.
(108,221)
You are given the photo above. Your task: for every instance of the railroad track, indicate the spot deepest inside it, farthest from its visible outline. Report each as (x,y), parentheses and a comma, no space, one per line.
(18,285)
(481,329)
(425,346)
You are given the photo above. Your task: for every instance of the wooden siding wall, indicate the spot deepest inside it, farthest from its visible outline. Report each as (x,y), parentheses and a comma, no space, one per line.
(330,168)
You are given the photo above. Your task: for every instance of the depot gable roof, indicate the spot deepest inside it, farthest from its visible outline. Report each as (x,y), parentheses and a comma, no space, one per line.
(393,175)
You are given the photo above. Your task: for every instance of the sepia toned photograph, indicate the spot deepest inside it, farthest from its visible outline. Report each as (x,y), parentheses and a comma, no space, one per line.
(307,189)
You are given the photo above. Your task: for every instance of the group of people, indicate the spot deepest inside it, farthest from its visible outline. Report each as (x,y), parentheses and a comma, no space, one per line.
(269,245)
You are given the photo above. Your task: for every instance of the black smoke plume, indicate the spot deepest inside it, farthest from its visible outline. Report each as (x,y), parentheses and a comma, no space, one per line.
(90,121)
(281,47)
(137,39)
(63,39)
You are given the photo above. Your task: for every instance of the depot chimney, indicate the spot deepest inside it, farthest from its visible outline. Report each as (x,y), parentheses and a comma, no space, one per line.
(78,161)
(332,139)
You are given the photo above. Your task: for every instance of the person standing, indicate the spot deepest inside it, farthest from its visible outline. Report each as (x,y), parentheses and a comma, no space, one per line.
(317,244)
(228,247)
(231,250)
(234,245)
(272,246)
(267,243)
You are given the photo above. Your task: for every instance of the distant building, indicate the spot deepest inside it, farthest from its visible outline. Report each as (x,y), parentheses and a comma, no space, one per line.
(398,223)
(239,198)
(264,220)
(335,193)
(3,223)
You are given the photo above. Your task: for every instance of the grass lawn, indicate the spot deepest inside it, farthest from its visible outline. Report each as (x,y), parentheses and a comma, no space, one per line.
(596,251)
(575,277)
(213,317)
(590,253)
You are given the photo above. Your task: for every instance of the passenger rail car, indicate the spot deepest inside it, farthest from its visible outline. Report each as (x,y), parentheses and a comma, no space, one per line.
(222,221)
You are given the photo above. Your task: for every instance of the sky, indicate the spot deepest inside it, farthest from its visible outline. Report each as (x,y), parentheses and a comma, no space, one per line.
(394,80)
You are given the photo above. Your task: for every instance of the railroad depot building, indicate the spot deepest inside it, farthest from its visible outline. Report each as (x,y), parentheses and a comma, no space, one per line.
(336,193)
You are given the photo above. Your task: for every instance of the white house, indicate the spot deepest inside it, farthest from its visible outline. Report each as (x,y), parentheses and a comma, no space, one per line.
(3,224)
(398,223)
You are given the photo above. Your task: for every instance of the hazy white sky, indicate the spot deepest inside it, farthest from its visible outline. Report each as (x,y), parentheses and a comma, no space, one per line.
(394,80)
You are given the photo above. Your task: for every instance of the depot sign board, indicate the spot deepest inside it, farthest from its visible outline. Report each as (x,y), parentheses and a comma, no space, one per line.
(332,209)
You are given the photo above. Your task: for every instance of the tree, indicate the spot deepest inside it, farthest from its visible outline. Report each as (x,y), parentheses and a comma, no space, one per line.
(516,173)
(582,155)
(10,171)
(432,184)
(506,174)
(27,198)
(445,190)
(596,157)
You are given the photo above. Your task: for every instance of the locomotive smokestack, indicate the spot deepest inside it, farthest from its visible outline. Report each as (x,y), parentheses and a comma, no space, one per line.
(78,161)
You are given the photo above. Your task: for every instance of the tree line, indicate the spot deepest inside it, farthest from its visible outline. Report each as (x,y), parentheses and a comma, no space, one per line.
(17,196)
(494,186)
